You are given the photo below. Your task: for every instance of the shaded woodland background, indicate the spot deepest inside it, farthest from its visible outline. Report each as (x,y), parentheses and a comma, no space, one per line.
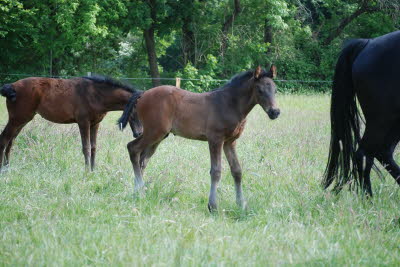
(192,39)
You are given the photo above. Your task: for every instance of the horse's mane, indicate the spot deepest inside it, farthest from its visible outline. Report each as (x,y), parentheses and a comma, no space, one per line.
(239,79)
(111,82)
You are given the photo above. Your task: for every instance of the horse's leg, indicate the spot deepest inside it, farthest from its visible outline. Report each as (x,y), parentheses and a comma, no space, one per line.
(135,149)
(378,141)
(93,139)
(10,144)
(236,170)
(215,172)
(146,155)
(385,157)
(84,129)
(6,136)
(391,166)
(364,164)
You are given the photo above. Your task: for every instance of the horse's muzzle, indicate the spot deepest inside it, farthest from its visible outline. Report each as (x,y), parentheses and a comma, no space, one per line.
(136,135)
(273,113)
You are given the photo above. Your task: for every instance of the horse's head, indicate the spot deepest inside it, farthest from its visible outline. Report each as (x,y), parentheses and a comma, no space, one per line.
(265,90)
(136,125)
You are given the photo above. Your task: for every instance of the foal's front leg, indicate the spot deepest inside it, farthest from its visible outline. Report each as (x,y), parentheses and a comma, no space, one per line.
(236,170)
(215,172)
(93,140)
(84,129)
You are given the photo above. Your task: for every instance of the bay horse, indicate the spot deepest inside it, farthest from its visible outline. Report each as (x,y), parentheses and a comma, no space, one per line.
(367,70)
(218,117)
(84,101)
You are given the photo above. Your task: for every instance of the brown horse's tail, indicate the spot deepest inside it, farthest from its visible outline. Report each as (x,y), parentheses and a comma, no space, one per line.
(129,109)
(9,92)
(345,120)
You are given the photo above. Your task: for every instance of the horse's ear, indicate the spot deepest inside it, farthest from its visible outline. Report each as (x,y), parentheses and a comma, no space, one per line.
(257,72)
(272,72)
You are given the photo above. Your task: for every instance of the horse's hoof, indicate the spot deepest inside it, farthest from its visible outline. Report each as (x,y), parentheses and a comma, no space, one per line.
(243,205)
(212,208)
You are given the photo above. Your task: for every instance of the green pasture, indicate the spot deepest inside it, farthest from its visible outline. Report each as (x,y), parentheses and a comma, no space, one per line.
(53,213)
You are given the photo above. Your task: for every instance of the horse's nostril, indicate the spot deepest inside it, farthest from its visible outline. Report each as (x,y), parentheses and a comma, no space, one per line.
(273,113)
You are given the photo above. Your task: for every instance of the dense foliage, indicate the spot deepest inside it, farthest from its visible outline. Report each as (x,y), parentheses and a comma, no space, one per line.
(186,38)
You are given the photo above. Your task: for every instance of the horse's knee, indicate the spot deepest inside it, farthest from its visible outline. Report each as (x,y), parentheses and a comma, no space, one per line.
(215,172)
(85,149)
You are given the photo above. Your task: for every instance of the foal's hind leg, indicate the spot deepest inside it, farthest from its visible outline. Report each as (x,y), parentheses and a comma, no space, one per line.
(215,172)
(143,145)
(9,133)
(236,170)
(10,144)
(135,148)
(146,155)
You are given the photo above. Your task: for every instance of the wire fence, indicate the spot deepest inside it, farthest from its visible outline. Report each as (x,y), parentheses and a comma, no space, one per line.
(198,84)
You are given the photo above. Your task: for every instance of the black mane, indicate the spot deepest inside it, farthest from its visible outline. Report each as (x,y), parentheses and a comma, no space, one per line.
(239,79)
(111,82)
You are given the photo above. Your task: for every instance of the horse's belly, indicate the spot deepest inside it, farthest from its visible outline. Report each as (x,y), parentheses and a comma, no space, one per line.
(190,134)
(189,129)
(57,115)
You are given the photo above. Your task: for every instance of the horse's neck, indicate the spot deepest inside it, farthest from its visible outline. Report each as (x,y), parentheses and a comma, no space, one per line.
(243,100)
(115,99)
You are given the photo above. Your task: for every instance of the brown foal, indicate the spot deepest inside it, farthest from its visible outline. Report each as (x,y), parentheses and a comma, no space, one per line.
(218,117)
(80,100)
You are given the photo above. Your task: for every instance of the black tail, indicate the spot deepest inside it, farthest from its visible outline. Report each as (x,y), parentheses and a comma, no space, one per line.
(345,120)
(8,91)
(129,108)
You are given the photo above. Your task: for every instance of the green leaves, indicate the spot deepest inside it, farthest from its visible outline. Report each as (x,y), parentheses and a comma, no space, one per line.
(303,37)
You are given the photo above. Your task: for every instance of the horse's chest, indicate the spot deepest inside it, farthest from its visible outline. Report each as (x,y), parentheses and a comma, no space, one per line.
(235,131)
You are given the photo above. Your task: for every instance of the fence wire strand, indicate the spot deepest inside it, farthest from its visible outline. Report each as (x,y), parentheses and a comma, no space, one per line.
(150,78)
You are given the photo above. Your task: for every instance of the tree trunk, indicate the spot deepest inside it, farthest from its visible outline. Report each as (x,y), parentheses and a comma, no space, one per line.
(267,35)
(188,42)
(148,35)
(228,25)
(152,55)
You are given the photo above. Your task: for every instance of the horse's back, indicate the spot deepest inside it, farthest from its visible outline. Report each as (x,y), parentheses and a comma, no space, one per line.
(54,99)
(376,76)
(173,109)
(379,59)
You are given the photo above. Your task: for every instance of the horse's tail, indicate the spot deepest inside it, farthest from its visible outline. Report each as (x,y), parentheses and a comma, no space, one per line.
(345,120)
(9,92)
(129,109)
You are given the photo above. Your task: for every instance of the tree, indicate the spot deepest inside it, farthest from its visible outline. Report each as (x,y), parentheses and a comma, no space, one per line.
(228,24)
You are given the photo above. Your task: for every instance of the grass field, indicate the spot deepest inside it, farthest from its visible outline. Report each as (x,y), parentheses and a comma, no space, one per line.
(53,213)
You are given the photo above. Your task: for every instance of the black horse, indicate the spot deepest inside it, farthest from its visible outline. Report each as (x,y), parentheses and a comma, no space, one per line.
(367,70)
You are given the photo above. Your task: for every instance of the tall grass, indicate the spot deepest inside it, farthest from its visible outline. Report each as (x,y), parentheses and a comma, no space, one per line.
(54,213)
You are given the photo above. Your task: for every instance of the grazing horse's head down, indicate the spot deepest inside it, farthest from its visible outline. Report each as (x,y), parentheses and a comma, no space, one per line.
(265,90)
